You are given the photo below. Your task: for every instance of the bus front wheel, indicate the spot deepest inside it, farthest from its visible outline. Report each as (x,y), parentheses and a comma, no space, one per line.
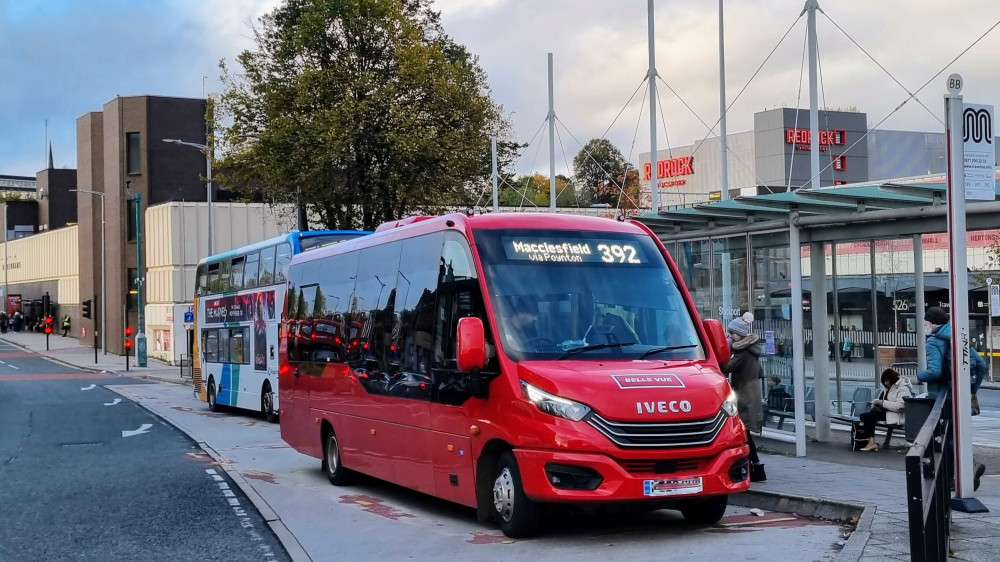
(267,403)
(517,515)
(213,403)
(706,512)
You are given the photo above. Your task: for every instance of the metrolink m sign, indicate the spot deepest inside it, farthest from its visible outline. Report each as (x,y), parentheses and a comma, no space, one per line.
(980,151)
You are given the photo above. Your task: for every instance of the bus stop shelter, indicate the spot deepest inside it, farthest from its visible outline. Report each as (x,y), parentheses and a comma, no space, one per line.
(740,254)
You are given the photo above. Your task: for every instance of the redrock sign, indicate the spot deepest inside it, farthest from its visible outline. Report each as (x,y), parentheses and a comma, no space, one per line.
(802,136)
(673,167)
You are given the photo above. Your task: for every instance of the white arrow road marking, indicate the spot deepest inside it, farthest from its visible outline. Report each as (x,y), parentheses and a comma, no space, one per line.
(88,387)
(12,366)
(113,403)
(143,429)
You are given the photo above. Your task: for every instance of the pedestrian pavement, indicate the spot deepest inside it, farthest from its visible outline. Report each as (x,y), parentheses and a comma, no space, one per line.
(73,353)
(829,472)
(832,472)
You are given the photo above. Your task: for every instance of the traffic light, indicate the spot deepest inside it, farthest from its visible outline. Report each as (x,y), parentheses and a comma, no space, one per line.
(86,308)
(128,336)
(48,325)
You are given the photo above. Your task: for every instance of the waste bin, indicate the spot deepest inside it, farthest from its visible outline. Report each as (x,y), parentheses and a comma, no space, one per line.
(917,411)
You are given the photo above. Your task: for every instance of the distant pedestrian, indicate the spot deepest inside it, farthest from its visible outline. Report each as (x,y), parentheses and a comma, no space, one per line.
(745,374)
(3,322)
(65,325)
(18,320)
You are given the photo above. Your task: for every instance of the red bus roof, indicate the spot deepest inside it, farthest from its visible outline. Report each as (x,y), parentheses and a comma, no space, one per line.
(415,226)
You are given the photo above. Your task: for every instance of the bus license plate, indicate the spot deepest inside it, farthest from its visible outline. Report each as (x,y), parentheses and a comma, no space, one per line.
(672,487)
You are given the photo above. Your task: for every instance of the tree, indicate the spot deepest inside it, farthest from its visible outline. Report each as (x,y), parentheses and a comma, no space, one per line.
(364,107)
(603,173)
(533,191)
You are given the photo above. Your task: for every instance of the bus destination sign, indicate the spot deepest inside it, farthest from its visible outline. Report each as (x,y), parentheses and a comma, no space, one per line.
(573,250)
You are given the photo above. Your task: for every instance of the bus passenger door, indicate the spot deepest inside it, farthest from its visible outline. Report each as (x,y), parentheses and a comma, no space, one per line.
(450,441)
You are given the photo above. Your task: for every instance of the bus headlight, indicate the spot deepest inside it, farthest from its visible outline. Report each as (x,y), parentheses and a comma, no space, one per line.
(554,405)
(729,405)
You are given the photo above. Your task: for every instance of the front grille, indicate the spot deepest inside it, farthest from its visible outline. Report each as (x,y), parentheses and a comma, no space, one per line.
(662,435)
(660,466)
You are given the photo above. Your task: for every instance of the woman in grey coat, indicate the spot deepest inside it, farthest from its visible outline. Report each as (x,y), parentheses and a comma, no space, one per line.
(745,373)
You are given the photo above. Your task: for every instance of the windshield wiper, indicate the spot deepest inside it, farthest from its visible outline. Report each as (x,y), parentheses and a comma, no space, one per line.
(576,350)
(667,348)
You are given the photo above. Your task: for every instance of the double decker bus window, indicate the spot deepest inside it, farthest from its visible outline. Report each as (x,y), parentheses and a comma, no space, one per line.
(223,353)
(266,276)
(250,268)
(201,281)
(213,278)
(211,344)
(284,256)
(236,273)
(237,346)
(225,282)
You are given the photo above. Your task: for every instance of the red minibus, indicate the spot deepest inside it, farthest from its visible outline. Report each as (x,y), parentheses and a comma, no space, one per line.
(508,361)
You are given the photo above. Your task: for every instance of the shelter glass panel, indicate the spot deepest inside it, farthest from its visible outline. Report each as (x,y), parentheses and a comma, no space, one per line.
(730,278)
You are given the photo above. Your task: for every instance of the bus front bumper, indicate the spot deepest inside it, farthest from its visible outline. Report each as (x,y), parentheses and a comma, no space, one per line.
(554,476)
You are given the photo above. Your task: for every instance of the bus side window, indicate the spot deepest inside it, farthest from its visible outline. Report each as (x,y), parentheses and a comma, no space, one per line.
(211,345)
(224,277)
(281,262)
(213,278)
(201,281)
(236,273)
(266,276)
(250,270)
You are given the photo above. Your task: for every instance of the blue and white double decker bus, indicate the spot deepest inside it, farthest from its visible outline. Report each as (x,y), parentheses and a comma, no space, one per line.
(238,295)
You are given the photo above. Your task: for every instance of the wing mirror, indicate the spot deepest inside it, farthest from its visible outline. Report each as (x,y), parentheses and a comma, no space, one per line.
(717,338)
(471,344)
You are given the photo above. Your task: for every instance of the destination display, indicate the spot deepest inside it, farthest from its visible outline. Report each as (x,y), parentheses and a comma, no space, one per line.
(555,250)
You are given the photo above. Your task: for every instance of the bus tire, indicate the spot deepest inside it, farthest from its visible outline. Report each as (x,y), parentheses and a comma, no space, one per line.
(267,403)
(706,512)
(518,516)
(335,471)
(213,403)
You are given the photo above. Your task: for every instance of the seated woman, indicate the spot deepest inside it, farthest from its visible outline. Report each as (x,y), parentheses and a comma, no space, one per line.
(888,407)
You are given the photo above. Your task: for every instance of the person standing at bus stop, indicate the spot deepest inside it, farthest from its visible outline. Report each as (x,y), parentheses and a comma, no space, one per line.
(937,375)
(65,325)
(745,373)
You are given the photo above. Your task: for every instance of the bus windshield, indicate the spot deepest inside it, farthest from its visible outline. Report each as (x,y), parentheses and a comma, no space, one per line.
(586,295)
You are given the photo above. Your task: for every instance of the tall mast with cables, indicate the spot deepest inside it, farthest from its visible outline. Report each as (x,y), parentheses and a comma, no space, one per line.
(552,143)
(724,161)
(654,191)
(810,8)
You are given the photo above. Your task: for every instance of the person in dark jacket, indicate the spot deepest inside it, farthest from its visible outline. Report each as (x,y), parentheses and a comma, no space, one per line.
(745,374)
(937,377)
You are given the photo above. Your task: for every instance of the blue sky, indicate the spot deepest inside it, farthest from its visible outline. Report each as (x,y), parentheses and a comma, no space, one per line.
(62,58)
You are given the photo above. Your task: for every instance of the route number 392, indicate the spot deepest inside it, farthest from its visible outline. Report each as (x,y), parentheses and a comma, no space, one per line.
(618,253)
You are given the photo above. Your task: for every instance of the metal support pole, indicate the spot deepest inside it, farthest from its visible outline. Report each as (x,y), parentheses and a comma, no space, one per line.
(552,143)
(811,7)
(723,148)
(654,189)
(836,329)
(93,308)
(496,196)
(208,188)
(821,366)
(959,296)
(798,346)
(918,300)
(871,257)
(104,281)
(140,337)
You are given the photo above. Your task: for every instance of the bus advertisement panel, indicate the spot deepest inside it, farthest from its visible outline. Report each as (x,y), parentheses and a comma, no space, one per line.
(236,320)
(504,362)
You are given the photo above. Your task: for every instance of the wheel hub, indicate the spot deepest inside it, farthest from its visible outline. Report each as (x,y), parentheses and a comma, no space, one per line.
(332,455)
(503,494)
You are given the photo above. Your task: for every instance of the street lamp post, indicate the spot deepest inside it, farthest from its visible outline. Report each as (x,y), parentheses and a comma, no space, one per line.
(104,272)
(208,181)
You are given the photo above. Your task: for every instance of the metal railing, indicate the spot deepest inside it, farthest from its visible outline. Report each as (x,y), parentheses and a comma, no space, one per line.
(928,484)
